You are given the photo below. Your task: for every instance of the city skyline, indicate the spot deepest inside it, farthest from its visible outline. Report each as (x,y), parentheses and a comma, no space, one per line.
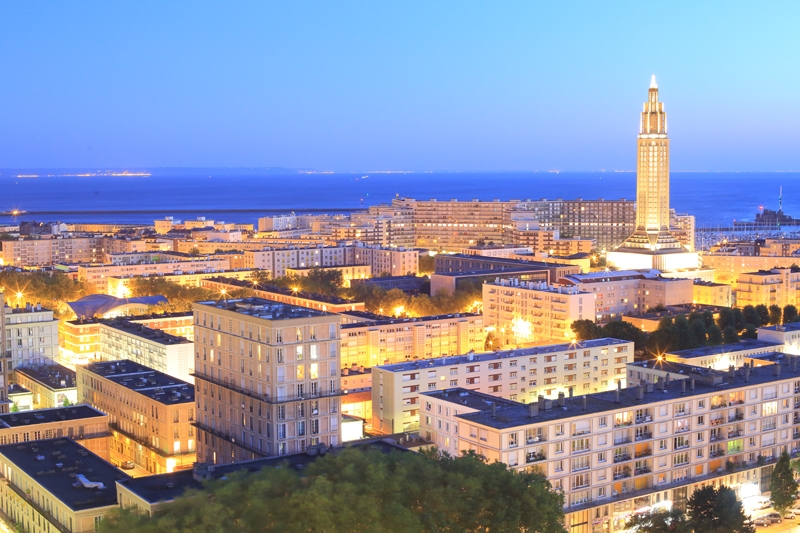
(517,88)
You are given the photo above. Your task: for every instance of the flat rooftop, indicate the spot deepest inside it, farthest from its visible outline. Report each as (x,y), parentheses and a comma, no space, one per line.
(507,354)
(599,402)
(740,346)
(43,416)
(53,376)
(70,472)
(133,318)
(144,380)
(471,398)
(266,309)
(143,332)
(492,272)
(789,327)
(383,321)
(27,309)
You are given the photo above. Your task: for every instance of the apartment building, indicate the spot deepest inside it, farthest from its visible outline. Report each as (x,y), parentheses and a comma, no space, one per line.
(150,413)
(710,293)
(520,375)
(120,286)
(97,276)
(277,222)
(615,453)
(52,385)
(388,341)
(723,356)
(5,355)
(42,252)
(79,339)
(267,378)
(153,348)
(349,273)
(320,302)
(85,424)
(519,312)
(31,336)
(630,292)
(777,286)
(786,334)
(56,485)
(453,263)
(729,266)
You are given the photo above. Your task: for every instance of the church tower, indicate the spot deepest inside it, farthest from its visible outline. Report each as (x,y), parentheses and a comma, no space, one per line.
(652,236)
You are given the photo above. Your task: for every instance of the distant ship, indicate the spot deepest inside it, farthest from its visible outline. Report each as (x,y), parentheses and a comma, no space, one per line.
(27,176)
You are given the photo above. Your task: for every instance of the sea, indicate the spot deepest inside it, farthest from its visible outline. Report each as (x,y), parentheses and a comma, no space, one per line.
(715,198)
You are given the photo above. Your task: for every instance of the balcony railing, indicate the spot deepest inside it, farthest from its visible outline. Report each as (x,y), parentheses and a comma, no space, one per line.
(644,436)
(535,458)
(644,453)
(622,458)
(230,438)
(228,384)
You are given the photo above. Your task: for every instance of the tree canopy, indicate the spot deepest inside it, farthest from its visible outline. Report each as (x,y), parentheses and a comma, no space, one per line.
(782,484)
(360,490)
(659,521)
(717,510)
(48,288)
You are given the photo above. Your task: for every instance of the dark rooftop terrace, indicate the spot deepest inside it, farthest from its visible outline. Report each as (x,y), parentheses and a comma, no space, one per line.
(144,380)
(740,346)
(53,376)
(142,331)
(43,416)
(73,474)
(262,308)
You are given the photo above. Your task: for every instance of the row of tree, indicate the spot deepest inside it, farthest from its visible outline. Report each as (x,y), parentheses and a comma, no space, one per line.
(363,490)
(179,297)
(48,288)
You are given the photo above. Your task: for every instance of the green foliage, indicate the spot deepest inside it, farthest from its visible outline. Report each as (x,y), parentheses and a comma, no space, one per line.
(775,313)
(782,484)
(789,314)
(656,309)
(491,342)
(729,335)
(714,335)
(585,330)
(48,288)
(179,297)
(763,314)
(750,332)
(659,521)
(14,408)
(726,318)
(751,315)
(194,251)
(384,302)
(363,491)
(66,402)
(426,265)
(618,329)
(713,510)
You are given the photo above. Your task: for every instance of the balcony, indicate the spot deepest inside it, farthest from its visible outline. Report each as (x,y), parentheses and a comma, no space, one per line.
(623,474)
(644,436)
(534,440)
(642,470)
(681,430)
(718,405)
(644,419)
(715,437)
(227,384)
(581,432)
(622,458)
(736,418)
(716,453)
(622,440)
(644,453)
(735,433)
(535,457)
(224,436)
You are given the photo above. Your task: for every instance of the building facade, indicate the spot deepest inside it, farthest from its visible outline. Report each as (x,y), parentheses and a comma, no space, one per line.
(267,378)
(31,336)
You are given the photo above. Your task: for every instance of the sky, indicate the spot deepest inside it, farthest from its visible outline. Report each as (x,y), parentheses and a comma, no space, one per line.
(366,86)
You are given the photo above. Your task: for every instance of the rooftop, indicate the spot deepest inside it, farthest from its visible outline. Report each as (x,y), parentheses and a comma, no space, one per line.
(53,376)
(73,474)
(143,332)
(490,272)
(740,346)
(37,308)
(278,290)
(43,416)
(471,398)
(382,320)
(100,304)
(519,414)
(266,309)
(789,326)
(493,356)
(134,318)
(144,380)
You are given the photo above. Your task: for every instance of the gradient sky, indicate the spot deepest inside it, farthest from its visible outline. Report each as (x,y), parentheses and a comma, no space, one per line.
(396,85)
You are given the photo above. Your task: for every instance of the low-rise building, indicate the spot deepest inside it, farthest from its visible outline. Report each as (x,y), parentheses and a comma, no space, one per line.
(153,348)
(521,375)
(97,276)
(83,423)
(31,336)
(52,385)
(349,272)
(150,413)
(710,293)
(519,312)
(394,340)
(56,485)
(723,356)
(616,453)
(786,334)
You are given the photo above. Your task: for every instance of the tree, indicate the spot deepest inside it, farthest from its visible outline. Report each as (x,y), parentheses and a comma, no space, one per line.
(751,315)
(782,484)
(729,335)
(726,318)
(738,319)
(698,327)
(362,490)
(789,314)
(585,329)
(490,343)
(14,408)
(763,314)
(713,510)
(750,332)
(659,521)
(66,402)
(426,264)
(714,335)
(774,314)
(194,251)
(620,329)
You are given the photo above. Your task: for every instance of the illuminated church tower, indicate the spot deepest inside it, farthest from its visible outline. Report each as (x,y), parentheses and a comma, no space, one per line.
(652,245)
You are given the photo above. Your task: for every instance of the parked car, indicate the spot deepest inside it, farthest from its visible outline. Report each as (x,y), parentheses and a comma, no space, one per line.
(789,515)
(761,521)
(762,503)
(128,465)
(775,518)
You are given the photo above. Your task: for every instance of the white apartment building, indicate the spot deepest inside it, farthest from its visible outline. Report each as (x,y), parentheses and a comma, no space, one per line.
(522,312)
(98,275)
(277,223)
(619,452)
(153,348)
(777,286)
(41,252)
(786,334)
(31,336)
(630,292)
(521,375)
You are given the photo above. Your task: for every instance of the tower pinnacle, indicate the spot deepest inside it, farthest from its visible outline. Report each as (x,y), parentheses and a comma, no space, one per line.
(653,84)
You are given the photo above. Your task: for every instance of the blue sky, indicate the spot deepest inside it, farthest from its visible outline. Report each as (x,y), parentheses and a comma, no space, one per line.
(396,85)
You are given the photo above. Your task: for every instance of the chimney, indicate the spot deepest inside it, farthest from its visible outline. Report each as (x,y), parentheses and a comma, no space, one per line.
(691,384)
(616,392)
(683,386)
(561,399)
(660,383)
(570,394)
(639,392)
(534,409)
(746,373)
(776,369)
(584,402)
(731,372)
(540,401)
(794,363)
(666,381)
(494,409)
